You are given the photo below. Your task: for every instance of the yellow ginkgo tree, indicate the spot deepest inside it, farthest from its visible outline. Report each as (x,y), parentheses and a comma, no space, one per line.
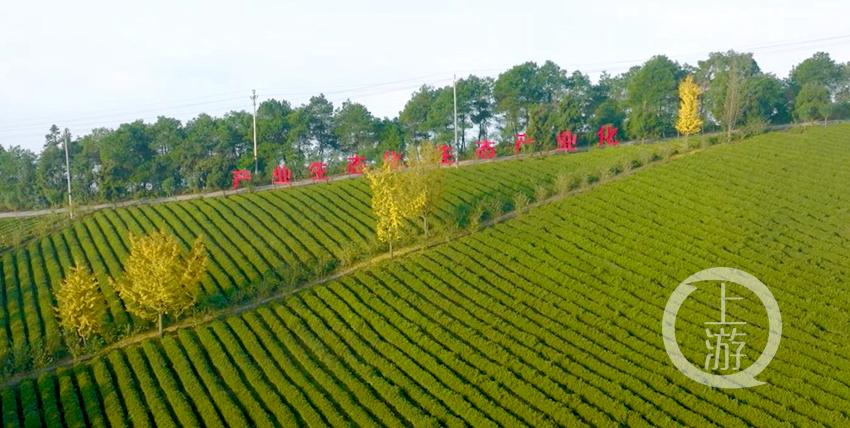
(158,279)
(79,304)
(425,180)
(689,121)
(394,201)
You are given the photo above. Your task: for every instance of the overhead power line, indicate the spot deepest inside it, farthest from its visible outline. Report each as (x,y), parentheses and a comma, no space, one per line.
(27,126)
(95,121)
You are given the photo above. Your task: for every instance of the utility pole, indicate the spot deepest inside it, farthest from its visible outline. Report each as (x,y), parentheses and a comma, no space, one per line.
(254,101)
(454,94)
(68,173)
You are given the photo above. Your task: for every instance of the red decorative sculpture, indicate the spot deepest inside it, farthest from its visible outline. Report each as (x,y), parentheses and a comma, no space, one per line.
(281,175)
(355,164)
(240,175)
(319,169)
(445,154)
(607,135)
(567,141)
(521,140)
(485,150)
(393,157)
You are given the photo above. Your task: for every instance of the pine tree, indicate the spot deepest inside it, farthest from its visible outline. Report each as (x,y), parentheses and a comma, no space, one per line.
(158,280)
(689,121)
(79,303)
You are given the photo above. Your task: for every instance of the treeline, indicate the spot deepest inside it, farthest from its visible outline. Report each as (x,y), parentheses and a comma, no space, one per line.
(168,157)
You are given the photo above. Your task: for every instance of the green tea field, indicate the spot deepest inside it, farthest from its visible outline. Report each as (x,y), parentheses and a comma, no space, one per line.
(549,318)
(257,242)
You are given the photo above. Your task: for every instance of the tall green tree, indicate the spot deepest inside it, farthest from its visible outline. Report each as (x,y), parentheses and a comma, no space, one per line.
(195,156)
(414,117)
(273,142)
(765,100)
(299,139)
(236,142)
(818,72)
(725,77)
(50,168)
(841,101)
(354,127)
(516,91)
(474,108)
(819,69)
(126,155)
(733,99)
(390,136)
(551,82)
(812,103)
(609,101)
(440,119)
(652,98)
(475,103)
(166,135)
(86,165)
(547,120)
(17,166)
(580,87)
(320,126)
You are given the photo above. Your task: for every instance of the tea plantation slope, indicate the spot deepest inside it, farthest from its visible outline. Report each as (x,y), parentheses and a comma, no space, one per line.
(552,318)
(255,241)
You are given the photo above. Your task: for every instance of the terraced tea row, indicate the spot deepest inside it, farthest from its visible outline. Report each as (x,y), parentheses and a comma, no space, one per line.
(256,242)
(561,327)
(14,231)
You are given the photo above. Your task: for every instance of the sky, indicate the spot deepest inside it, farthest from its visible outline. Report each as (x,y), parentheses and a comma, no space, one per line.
(89,64)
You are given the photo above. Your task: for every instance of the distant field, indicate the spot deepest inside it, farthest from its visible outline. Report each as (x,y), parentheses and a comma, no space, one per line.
(552,318)
(255,241)
(13,231)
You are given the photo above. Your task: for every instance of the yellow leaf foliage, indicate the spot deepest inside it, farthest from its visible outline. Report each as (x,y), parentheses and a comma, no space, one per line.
(425,176)
(158,280)
(689,121)
(79,303)
(394,200)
